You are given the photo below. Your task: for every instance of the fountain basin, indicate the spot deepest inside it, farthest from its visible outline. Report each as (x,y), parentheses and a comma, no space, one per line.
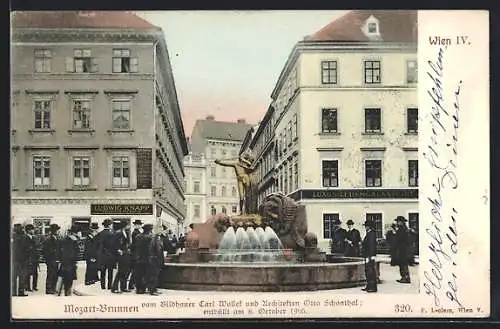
(263,277)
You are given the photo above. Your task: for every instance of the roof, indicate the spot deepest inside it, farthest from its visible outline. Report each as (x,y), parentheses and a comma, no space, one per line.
(79,19)
(394,26)
(211,129)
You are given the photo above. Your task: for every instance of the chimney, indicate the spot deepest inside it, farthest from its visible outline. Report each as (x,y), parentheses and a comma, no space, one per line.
(241,121)
(210,117)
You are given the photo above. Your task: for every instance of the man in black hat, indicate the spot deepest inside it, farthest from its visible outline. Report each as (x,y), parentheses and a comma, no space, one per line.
(122,254)
(402,251)
(91,254)
(156,261)
(353,238)
(338,242)
(33,258)
(133,253)
(143,251)
(69,258)
(369,251)
(105,256)
(20,258)
(51,253)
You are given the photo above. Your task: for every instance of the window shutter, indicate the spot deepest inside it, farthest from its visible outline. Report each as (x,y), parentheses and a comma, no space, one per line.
(134,64)
(70,65)
(94,66)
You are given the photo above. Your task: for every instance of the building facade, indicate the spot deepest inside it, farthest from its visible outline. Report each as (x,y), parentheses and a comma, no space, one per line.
(213,140)
(95,122)
(341,134)
(195,166)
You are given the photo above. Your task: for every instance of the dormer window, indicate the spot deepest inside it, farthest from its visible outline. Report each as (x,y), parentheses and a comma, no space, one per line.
(372,28)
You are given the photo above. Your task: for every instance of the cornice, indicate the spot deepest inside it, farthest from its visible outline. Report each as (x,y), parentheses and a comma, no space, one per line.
(77,201)
(83,35)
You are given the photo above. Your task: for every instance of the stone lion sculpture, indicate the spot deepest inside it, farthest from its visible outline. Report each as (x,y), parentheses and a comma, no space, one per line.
(286,218)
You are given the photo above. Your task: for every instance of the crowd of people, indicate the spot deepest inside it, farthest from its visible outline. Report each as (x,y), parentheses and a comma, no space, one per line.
(121,259)
(400,240)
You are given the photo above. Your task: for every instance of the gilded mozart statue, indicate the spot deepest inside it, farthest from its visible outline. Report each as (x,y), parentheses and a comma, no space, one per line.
(247,182)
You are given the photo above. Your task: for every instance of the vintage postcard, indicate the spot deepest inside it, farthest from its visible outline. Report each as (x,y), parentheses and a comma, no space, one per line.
(250,164)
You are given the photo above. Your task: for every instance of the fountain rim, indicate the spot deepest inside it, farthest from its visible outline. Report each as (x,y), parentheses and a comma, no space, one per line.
(262,264)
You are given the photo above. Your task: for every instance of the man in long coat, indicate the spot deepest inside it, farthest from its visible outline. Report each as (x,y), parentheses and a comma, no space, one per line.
(69,258)
(133,253)
(20,260)
(402,251)
(353,239)
(106,257)
(91,255)
(142,254)
(33,258)
(369,251)
(51,253)
(122,252)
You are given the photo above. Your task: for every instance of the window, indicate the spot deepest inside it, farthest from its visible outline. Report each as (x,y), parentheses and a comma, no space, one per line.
(121,114)
(413,220)
(296,175)
(285,174)
(372,72)
(223,191)
(224,211)
(196,187)
(41,225)
(330,171)
(224,171)
(329,120)
(234,209)
(123,63)
(290,178)
(328,220)
(213,211)
(196,211)
(372,120)
(377,219)
(81,171)
(41,171)
(82,62)
(81,114)
(43,59)
(213,190)
(412,120)
(289,135)
(411,71)
(372,27)
(224,152)
(213,171)
(233,191)
(42,110)
(121,177)
(373,172)
(329,72)
(294,128)
(413,173)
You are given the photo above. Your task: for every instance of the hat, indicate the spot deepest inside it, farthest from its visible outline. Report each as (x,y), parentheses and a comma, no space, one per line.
(350,222)
(337,222)
(54,227)
(147,227)
(164,227)
(94,226)
(73,229)
(137,222)
(107,222)
(370,223)
(29,227)
(400,219)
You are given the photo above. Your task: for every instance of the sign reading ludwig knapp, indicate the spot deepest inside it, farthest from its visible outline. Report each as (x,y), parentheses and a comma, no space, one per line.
(121,209)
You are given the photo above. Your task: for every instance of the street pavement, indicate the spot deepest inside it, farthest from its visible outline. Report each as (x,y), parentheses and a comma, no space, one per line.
(389,275)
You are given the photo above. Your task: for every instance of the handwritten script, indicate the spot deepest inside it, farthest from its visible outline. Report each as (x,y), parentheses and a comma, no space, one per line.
(441,152)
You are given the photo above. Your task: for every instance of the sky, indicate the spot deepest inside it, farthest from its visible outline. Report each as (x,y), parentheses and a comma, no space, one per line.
(226,64)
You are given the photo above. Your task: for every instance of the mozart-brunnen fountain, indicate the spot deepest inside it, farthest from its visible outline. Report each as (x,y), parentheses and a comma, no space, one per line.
(266,248)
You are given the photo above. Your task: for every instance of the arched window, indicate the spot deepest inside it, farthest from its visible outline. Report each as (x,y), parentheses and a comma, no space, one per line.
(233,191)
(224,211)
(213,211)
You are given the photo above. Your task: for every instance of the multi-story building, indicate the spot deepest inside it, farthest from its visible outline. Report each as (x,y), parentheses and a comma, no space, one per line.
(195,166)
(96,126)
(216,140)
(341,134)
